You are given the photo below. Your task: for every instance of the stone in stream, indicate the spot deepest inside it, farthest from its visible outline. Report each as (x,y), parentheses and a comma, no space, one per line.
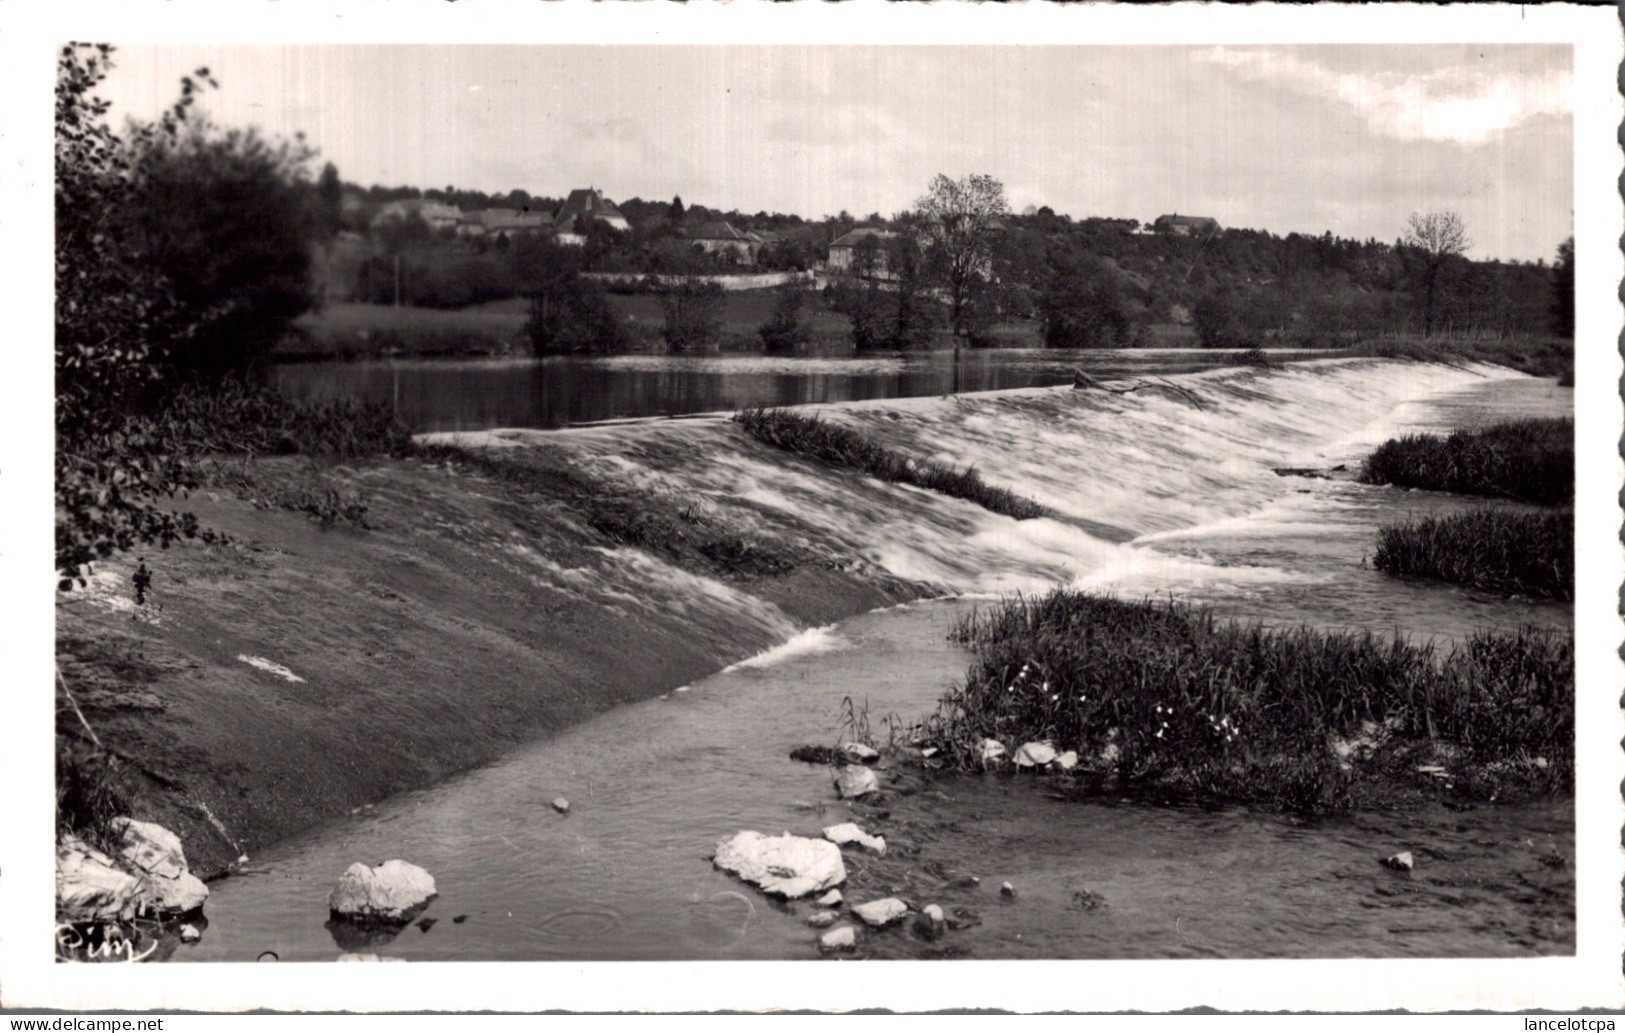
(860,752)
(1007,891)
(830,899)
(931,923)
(392,892)
(1034,754)
(840,938)
(854,781)
(561,805)
(1067,761)
(170,888)
(822,919)
(1400,862)
(881,913)
(782,866)
(850,832)
(89,885)
(190,934)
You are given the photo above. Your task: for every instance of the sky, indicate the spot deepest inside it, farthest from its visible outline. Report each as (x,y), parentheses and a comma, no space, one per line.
(1288,138)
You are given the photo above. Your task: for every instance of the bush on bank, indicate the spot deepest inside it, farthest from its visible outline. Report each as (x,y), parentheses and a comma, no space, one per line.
(1525,553)
(841,446)
(1532,460)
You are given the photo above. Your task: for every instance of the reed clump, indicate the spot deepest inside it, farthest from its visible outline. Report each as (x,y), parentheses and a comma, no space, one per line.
(1166,701)
(1531,460)
(1520,553)
(831,443)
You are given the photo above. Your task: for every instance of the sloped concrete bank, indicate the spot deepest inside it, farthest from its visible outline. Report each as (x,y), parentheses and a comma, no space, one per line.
(307,669)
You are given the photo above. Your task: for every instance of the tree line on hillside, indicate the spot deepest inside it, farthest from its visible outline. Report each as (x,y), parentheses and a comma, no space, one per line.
(246,238)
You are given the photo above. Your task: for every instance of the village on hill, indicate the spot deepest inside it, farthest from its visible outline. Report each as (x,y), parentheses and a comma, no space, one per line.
(641,275)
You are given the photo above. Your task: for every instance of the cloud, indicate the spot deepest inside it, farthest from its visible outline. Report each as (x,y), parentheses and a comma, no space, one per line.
(1468,102)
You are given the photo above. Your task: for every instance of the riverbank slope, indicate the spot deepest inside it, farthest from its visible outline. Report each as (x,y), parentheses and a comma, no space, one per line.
(375,627)
(306,669)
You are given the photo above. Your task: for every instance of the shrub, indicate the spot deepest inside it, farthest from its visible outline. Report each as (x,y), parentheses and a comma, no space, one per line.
(1223,320)
(693,312)
(1529,553)
(224,217)
(573,316)
(1532,460)
(89,788)
(867,308)
(1168,700)
(840,446)
(784,333)
(1084,306)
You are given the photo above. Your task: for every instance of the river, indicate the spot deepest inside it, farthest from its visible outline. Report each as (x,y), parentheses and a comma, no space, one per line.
(474,394)
(1156,497)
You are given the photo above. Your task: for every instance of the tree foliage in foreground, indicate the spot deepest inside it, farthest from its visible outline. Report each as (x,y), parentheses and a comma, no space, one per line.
(227,217)
(112,304)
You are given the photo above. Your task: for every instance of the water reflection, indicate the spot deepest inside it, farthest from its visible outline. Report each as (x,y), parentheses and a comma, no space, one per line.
(444,395)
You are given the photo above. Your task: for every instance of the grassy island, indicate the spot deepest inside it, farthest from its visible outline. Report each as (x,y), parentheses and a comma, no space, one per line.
(1167,702)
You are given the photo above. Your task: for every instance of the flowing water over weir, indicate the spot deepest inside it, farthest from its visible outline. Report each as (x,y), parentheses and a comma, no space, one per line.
(1150,494)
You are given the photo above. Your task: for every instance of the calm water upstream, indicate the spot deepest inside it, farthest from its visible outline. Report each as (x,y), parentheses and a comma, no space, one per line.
(444,394)
(654,786)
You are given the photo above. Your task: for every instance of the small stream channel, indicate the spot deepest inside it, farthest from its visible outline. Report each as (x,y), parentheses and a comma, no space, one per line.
(653,787)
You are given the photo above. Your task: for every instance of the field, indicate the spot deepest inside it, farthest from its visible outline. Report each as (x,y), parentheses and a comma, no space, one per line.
(351,330)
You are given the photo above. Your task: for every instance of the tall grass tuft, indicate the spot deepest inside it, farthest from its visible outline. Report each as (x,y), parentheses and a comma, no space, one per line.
(1532,460)
(1528,553)
(1166,700)
(841,446)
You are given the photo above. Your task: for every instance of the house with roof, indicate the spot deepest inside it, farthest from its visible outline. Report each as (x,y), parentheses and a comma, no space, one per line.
(493,222)
(437,215)
(721,238)
(843,251)
(1186,226)
(591,205)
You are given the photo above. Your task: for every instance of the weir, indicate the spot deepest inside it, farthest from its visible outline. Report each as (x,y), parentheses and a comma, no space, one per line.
(1116,472)
(1149,495)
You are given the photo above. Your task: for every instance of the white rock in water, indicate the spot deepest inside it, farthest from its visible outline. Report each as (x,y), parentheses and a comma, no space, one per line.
(1007,890)
(850,832)
(854,781)
(1402,861)
(822,919)
(561,805)
(389,892)
(1067,761)
(840,938)
(190,934)
(992,750)
(931,923)
(782,866)
(881,913)
(831,899)
(860,752)
(90,886)
(153,849)
(1034,754)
